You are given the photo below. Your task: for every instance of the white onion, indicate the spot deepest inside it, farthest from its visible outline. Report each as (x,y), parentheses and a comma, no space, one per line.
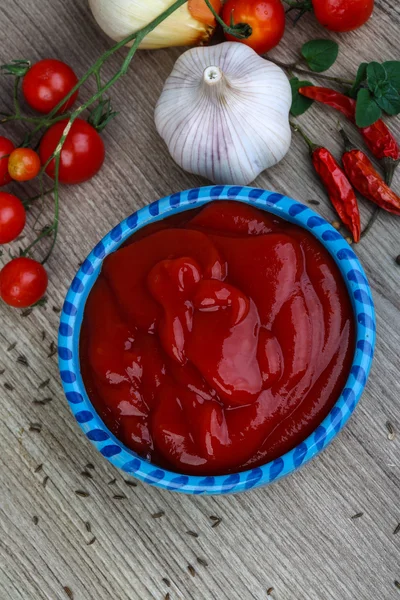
(119,18)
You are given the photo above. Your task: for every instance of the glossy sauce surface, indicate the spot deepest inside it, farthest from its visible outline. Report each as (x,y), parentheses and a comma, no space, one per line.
(217,340)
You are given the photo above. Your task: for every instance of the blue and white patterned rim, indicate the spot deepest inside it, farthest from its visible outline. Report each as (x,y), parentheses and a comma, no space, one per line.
(71,319)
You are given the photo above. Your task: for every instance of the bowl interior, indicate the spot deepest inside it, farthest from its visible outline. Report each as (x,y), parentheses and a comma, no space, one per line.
(71,320)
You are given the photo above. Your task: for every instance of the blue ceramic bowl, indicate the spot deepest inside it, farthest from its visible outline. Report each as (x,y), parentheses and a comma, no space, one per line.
(71,320)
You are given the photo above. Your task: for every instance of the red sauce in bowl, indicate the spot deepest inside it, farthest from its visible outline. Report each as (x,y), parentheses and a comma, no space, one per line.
(217,340)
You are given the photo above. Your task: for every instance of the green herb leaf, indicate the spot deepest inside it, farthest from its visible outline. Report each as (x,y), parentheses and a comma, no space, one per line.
(299,103)
(367,110)
(360,78)
(376,76)
(389,101)
(320,55)
(382,89)
(392,68)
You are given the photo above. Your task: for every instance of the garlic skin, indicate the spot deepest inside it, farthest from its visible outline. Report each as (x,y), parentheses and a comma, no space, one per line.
(224,113)
(120,18)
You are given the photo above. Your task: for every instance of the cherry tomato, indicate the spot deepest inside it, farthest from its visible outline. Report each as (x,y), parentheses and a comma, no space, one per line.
(265,17)
(6,147)
(23,282)
(23,164)
(82,154)
(46,83)
(12,217)
(343,15)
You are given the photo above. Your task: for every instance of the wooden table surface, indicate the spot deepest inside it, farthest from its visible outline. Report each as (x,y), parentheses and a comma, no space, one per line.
(297,536)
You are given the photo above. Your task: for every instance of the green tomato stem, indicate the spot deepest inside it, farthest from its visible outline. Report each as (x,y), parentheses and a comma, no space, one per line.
(98,82)
(139,35)
(56,209)
(45,233)
(29,201)
(52,117)
(293,67)
(33,120)
(17,108)
(38,216)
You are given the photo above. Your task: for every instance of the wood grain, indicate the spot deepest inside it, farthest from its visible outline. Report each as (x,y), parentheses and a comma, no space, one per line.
(296,536)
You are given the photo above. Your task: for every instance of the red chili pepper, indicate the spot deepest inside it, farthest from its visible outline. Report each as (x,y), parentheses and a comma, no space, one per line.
(339,188)
(332,98)
(366,180)
(377,137)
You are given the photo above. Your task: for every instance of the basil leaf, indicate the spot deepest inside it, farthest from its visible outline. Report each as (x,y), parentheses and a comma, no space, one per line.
(320,55)
(376,76)
(392,68)
(299,103)
(389,101)
(367,110)
(360,78)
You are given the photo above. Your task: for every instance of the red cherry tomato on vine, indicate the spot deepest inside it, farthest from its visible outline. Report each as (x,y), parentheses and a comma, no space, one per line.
(6,147)
(46,83)
(12,217)
(23,164)
(343,15)
(23,282)
(82,155)
(265,17)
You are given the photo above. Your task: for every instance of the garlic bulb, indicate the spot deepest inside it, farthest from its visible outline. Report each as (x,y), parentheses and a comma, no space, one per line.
(189,25)
(224,113)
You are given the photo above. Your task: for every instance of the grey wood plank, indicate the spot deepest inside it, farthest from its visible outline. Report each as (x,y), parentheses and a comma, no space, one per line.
(296,536)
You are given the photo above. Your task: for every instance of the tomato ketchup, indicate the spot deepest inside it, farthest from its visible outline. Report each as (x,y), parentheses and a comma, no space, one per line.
(217,340)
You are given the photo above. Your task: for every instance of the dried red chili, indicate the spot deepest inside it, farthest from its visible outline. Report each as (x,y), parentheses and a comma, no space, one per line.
(366,180)
(339,188)
(378,137)
(332,98)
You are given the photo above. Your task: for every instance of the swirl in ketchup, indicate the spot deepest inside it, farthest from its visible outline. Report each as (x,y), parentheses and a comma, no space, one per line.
(217,340)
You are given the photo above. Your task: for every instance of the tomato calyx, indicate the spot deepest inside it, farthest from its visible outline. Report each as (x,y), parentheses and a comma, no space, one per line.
(304,6)
(263,22)
(241,31)
(18,68)
(101,115)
